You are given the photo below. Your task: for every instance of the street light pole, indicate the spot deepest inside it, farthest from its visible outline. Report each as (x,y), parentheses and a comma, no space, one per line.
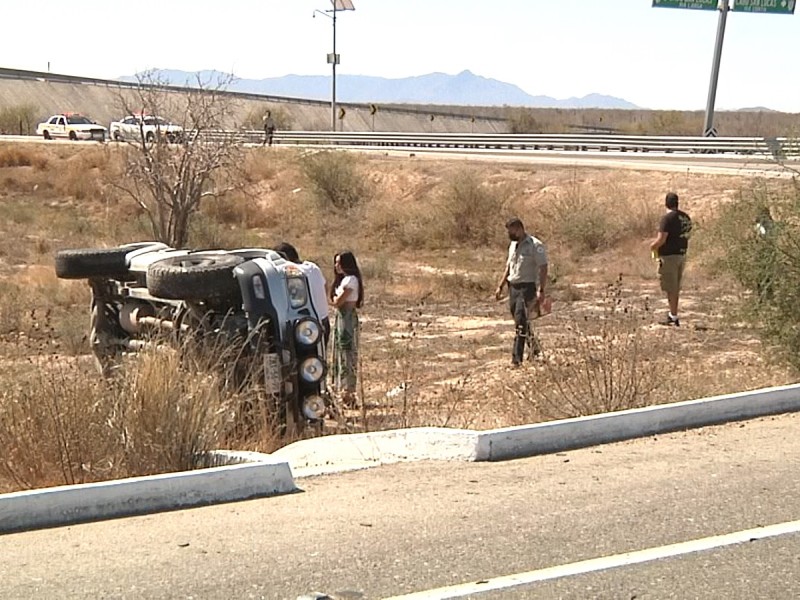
(333,76)
(333,58)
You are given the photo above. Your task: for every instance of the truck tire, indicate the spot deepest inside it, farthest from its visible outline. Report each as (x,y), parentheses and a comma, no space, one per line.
(194,277)
(92,262)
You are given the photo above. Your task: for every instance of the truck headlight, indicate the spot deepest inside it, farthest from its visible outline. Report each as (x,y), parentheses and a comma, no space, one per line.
(314,408)
(312,369)
(298,295)
(307,332)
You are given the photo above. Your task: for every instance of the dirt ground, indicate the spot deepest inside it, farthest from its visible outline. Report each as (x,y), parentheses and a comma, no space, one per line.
(435,343)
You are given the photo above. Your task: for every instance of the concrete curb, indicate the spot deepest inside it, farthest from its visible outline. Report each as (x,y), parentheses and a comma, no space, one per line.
(335,453)
(568,434)
(67,505)
(348,452)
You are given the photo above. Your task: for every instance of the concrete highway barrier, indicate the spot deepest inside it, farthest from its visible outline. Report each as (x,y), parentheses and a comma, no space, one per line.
(70,504)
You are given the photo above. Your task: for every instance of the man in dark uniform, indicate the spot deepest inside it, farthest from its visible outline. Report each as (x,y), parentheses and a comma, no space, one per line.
(526,276)
(669,247)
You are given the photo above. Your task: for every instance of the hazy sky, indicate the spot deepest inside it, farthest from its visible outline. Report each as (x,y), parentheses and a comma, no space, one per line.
(654,57)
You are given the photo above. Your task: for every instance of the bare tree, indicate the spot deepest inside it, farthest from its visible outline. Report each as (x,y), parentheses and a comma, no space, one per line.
(168,176)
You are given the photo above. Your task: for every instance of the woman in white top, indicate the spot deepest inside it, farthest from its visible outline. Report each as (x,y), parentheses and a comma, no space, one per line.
(347,295)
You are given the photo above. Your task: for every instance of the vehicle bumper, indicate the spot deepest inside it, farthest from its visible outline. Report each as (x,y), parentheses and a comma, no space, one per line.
(95,134)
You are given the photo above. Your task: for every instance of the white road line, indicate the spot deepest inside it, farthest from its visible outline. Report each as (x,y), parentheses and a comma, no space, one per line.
(602,563)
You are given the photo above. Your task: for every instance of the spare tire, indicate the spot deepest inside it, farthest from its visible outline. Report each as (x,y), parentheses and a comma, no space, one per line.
(194,277)
(92,262)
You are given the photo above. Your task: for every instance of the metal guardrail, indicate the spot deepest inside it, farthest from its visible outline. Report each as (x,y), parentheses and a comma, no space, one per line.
(765,147)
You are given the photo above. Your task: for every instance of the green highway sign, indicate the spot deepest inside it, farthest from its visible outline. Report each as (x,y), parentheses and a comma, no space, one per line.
(697,4)
(784,7)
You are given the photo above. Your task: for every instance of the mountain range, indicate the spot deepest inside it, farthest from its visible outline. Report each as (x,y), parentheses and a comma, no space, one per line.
(463,89)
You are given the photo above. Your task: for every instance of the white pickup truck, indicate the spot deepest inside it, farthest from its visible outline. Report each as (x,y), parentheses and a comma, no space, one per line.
(71,126)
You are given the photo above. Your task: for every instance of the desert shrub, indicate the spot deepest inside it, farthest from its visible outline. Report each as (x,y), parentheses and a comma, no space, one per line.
(668,122)
(640,218)
(588,219)
(579,220)
(410,223)
(336,180)
(604,362)
(19,119)
(236,208)
(16,156)
(85,174)
(472,210)
(756,240)
(260,166)
(459,209)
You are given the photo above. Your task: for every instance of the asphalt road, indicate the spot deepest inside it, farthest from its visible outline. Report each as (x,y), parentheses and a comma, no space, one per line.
(407,528)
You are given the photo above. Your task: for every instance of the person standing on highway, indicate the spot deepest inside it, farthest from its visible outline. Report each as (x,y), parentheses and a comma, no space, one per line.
(269,128)
(347,295)
(526,276)
(318,287)
(669,248)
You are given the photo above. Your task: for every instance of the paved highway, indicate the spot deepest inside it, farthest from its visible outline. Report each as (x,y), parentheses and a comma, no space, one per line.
(652,161)
(414,528)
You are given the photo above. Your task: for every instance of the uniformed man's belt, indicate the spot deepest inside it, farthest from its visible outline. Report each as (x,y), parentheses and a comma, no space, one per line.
(522,283)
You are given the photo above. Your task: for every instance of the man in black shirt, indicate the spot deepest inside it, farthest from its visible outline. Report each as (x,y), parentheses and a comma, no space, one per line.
(670,247)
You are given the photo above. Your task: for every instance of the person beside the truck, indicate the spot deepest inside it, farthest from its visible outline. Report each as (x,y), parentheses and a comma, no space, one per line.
(347,295)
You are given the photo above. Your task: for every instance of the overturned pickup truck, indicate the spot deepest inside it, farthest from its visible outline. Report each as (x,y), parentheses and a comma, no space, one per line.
(252,298)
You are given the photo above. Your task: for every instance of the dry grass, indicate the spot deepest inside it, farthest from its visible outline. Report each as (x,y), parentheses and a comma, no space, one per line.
(21,156)
(436,344)
(63,424)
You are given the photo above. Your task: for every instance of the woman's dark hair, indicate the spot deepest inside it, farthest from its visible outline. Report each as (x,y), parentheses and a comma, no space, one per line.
(349,265)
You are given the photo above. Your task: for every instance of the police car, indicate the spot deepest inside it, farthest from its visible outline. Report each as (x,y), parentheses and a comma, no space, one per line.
(71,126)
